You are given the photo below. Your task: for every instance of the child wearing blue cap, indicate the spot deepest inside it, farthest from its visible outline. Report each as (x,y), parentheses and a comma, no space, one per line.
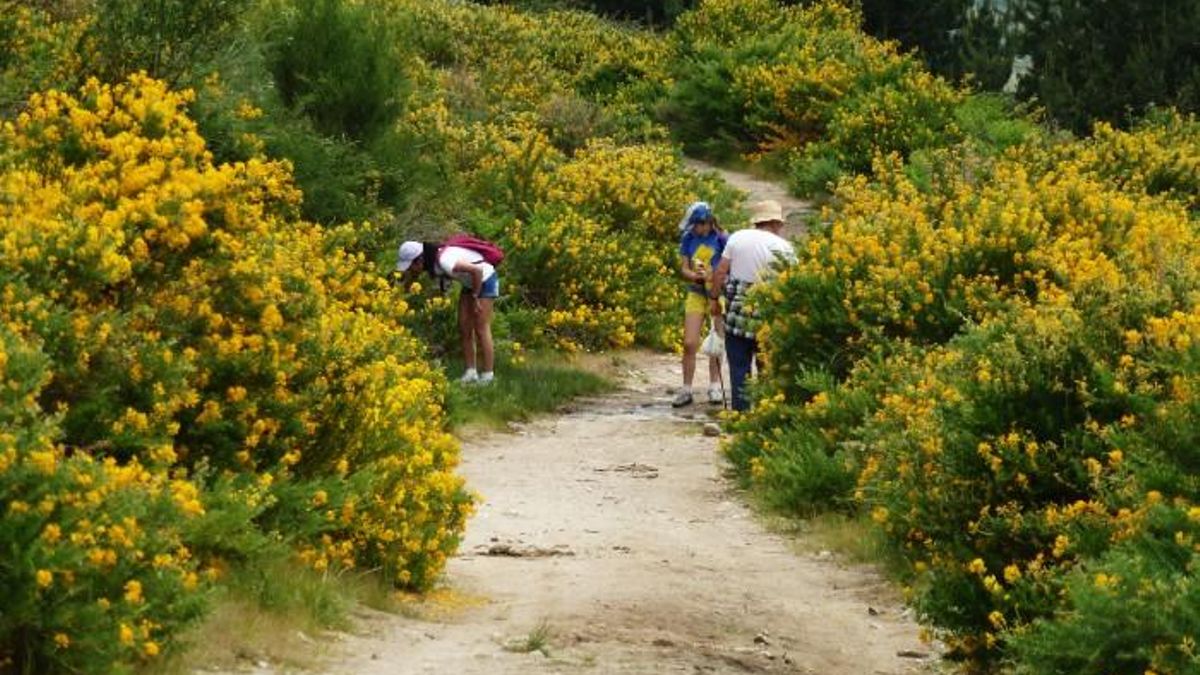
(700,248)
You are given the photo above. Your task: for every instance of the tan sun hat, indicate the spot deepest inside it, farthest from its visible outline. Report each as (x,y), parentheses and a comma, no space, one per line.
(765,212)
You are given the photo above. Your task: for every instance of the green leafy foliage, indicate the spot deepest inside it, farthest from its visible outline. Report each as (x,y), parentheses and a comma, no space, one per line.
(164,38)
(337,62)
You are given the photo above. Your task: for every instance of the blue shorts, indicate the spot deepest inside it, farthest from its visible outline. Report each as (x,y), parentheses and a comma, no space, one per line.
(490,289)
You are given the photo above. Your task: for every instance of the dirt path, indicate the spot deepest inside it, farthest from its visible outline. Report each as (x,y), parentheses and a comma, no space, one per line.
(795,210)
(609,538)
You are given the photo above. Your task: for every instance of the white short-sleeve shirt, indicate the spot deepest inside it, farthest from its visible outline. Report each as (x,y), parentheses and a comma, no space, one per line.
(751,253)
(452,255)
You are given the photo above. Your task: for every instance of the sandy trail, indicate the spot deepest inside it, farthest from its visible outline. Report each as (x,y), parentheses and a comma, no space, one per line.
(795,210)
(609,536)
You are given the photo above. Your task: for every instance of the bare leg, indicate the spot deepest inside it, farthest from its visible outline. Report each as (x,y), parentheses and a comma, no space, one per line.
(692,323)
(483,334)
(466,328)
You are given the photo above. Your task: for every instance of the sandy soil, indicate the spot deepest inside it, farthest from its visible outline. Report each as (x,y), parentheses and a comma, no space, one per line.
(610,539)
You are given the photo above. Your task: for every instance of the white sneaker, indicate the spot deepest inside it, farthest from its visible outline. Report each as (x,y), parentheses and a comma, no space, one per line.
(486,378)
(469,377)
(683,398)
(715,395)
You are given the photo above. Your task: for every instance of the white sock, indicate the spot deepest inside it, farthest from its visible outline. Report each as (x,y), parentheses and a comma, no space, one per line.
(470,374)
(487,376)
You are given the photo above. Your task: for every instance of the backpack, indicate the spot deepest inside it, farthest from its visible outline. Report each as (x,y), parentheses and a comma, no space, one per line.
(491,253)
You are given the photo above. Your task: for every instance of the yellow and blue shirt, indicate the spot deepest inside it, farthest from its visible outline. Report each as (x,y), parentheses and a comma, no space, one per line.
(706,249)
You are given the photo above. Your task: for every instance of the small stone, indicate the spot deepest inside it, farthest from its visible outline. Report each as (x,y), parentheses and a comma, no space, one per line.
(762,639)
(872,611)
(712,429)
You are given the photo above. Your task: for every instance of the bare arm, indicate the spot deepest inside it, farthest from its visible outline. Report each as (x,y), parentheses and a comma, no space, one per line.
(685,268)
(476,273)
(720,275)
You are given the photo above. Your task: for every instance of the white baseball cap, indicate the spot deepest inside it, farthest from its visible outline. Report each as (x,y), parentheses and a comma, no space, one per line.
(409,251)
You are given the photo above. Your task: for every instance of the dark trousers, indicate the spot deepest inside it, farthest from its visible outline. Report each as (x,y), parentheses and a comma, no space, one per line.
(742,353)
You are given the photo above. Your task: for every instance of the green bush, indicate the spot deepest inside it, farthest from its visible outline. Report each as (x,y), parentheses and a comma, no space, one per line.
(167,40)
(38,51)
(994,122)
(804,83)
(338,63)
(1131,611)
(814,173)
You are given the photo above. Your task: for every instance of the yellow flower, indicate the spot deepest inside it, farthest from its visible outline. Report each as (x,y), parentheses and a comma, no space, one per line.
(271,319)
(133,592)
(150,648)
(125,634)
(1012,573)
(997,620)
(977,566)
(44,578)
(879,514)
(61,640)
(1061,543)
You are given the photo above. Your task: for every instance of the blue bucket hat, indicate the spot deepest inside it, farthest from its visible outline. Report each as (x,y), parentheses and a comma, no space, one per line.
(697,213)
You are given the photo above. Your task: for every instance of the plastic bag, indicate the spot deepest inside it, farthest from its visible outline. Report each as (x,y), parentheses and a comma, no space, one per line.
(714,344)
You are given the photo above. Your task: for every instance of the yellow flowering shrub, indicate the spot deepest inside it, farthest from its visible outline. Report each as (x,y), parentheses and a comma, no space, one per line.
(718,24)
(591,237)
(37,50)
(641,190)
(599,251)
(585,277)
(196,327)
(998,365)
(510,61)
(97,572)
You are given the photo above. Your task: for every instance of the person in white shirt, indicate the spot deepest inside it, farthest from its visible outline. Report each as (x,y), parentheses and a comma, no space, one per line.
(480,288)
(749,257)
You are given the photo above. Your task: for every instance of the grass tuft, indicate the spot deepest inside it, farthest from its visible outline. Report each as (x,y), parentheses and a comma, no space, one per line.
(542,383)
(538,640)
(273,609)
